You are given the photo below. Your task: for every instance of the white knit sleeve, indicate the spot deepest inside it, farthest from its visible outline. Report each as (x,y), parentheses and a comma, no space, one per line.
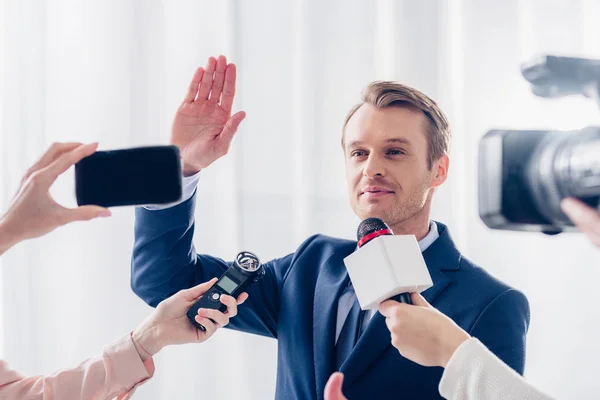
(474,372)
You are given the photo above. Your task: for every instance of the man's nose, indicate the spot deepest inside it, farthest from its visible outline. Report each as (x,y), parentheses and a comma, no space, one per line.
(373,168)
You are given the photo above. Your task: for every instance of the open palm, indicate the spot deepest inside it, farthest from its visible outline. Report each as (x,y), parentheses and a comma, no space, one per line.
(204,127)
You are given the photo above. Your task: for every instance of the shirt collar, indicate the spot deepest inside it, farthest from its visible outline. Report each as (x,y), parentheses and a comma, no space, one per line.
(430,237)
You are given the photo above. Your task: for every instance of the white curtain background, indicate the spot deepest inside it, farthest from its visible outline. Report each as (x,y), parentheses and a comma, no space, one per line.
(115,71)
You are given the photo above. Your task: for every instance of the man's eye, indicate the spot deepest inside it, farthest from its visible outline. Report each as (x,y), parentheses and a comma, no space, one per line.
(396,152)
(358,153)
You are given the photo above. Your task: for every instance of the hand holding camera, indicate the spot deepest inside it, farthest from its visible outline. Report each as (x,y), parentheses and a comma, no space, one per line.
(586,218)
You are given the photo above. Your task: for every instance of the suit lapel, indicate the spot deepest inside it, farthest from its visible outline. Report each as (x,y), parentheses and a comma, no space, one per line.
(331,281)
(441,256)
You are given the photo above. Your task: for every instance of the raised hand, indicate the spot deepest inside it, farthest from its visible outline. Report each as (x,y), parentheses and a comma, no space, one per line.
(204,127)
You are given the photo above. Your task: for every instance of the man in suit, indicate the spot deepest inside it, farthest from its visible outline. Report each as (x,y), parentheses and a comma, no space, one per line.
(395,145)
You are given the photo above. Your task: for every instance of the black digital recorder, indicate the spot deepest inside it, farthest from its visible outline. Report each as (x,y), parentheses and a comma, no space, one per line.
(244,271)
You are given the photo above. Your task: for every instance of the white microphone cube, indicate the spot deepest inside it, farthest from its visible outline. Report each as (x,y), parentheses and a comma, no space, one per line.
(386,266)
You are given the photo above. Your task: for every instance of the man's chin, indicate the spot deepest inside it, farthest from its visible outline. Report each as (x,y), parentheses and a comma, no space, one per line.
(373,212)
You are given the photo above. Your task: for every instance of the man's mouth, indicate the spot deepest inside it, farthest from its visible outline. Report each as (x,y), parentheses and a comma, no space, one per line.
(375,192)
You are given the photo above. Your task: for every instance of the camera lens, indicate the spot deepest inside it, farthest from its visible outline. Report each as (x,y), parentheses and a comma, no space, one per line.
(565,164)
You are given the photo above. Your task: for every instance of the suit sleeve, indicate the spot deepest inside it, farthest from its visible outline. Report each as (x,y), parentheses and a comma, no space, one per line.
(165,261)
(502,327)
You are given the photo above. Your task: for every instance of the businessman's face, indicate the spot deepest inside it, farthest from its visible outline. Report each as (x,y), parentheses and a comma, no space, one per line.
(386,165)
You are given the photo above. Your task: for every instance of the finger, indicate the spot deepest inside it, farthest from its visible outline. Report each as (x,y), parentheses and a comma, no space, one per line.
(229,88)
(207,79)
(67,160)
(193,89)
(419,300)
(219,79)
(231,304)
(388,323)
(217,316)
(242,298)
(84,213)
(50,155)
(207,324)
(231,126)
(386,307)
(194,293)
(585,217)
(333,388)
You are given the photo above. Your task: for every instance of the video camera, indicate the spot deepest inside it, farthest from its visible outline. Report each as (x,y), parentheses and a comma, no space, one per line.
(524,174)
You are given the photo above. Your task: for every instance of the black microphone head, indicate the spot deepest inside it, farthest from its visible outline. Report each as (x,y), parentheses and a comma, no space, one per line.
(370,228)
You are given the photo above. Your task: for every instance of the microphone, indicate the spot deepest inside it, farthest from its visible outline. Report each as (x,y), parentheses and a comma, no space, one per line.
(385,266)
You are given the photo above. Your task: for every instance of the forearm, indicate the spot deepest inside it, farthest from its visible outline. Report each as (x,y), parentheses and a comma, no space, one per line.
(145,340)
(164,259)
(474,372)
(117,372)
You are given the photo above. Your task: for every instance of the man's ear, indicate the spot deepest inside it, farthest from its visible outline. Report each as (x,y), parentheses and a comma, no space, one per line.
(440,168)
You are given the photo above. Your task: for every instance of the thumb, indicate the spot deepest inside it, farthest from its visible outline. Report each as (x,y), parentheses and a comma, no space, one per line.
(86,213)
(419,300)
(333,389)
(194,293)
(232,124)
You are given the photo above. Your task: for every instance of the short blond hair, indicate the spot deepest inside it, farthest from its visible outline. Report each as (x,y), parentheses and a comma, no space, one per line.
(384,94)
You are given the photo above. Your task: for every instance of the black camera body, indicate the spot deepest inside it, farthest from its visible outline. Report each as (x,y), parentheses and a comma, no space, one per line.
(244,271)
(524,174)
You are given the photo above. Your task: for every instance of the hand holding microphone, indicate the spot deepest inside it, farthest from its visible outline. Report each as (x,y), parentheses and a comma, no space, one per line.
(421,333)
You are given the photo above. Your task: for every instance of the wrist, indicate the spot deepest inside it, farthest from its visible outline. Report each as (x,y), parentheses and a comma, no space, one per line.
(189,170)
(145,340)
(458,338)
(7,237)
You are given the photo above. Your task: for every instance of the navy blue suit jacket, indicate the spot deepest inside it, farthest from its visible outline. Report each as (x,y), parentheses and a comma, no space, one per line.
(296,303)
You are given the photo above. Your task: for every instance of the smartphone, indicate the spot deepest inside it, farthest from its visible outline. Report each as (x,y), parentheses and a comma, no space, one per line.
(126,177)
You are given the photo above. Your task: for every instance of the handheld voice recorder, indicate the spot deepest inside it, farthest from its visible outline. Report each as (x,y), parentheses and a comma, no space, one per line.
(244,271)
